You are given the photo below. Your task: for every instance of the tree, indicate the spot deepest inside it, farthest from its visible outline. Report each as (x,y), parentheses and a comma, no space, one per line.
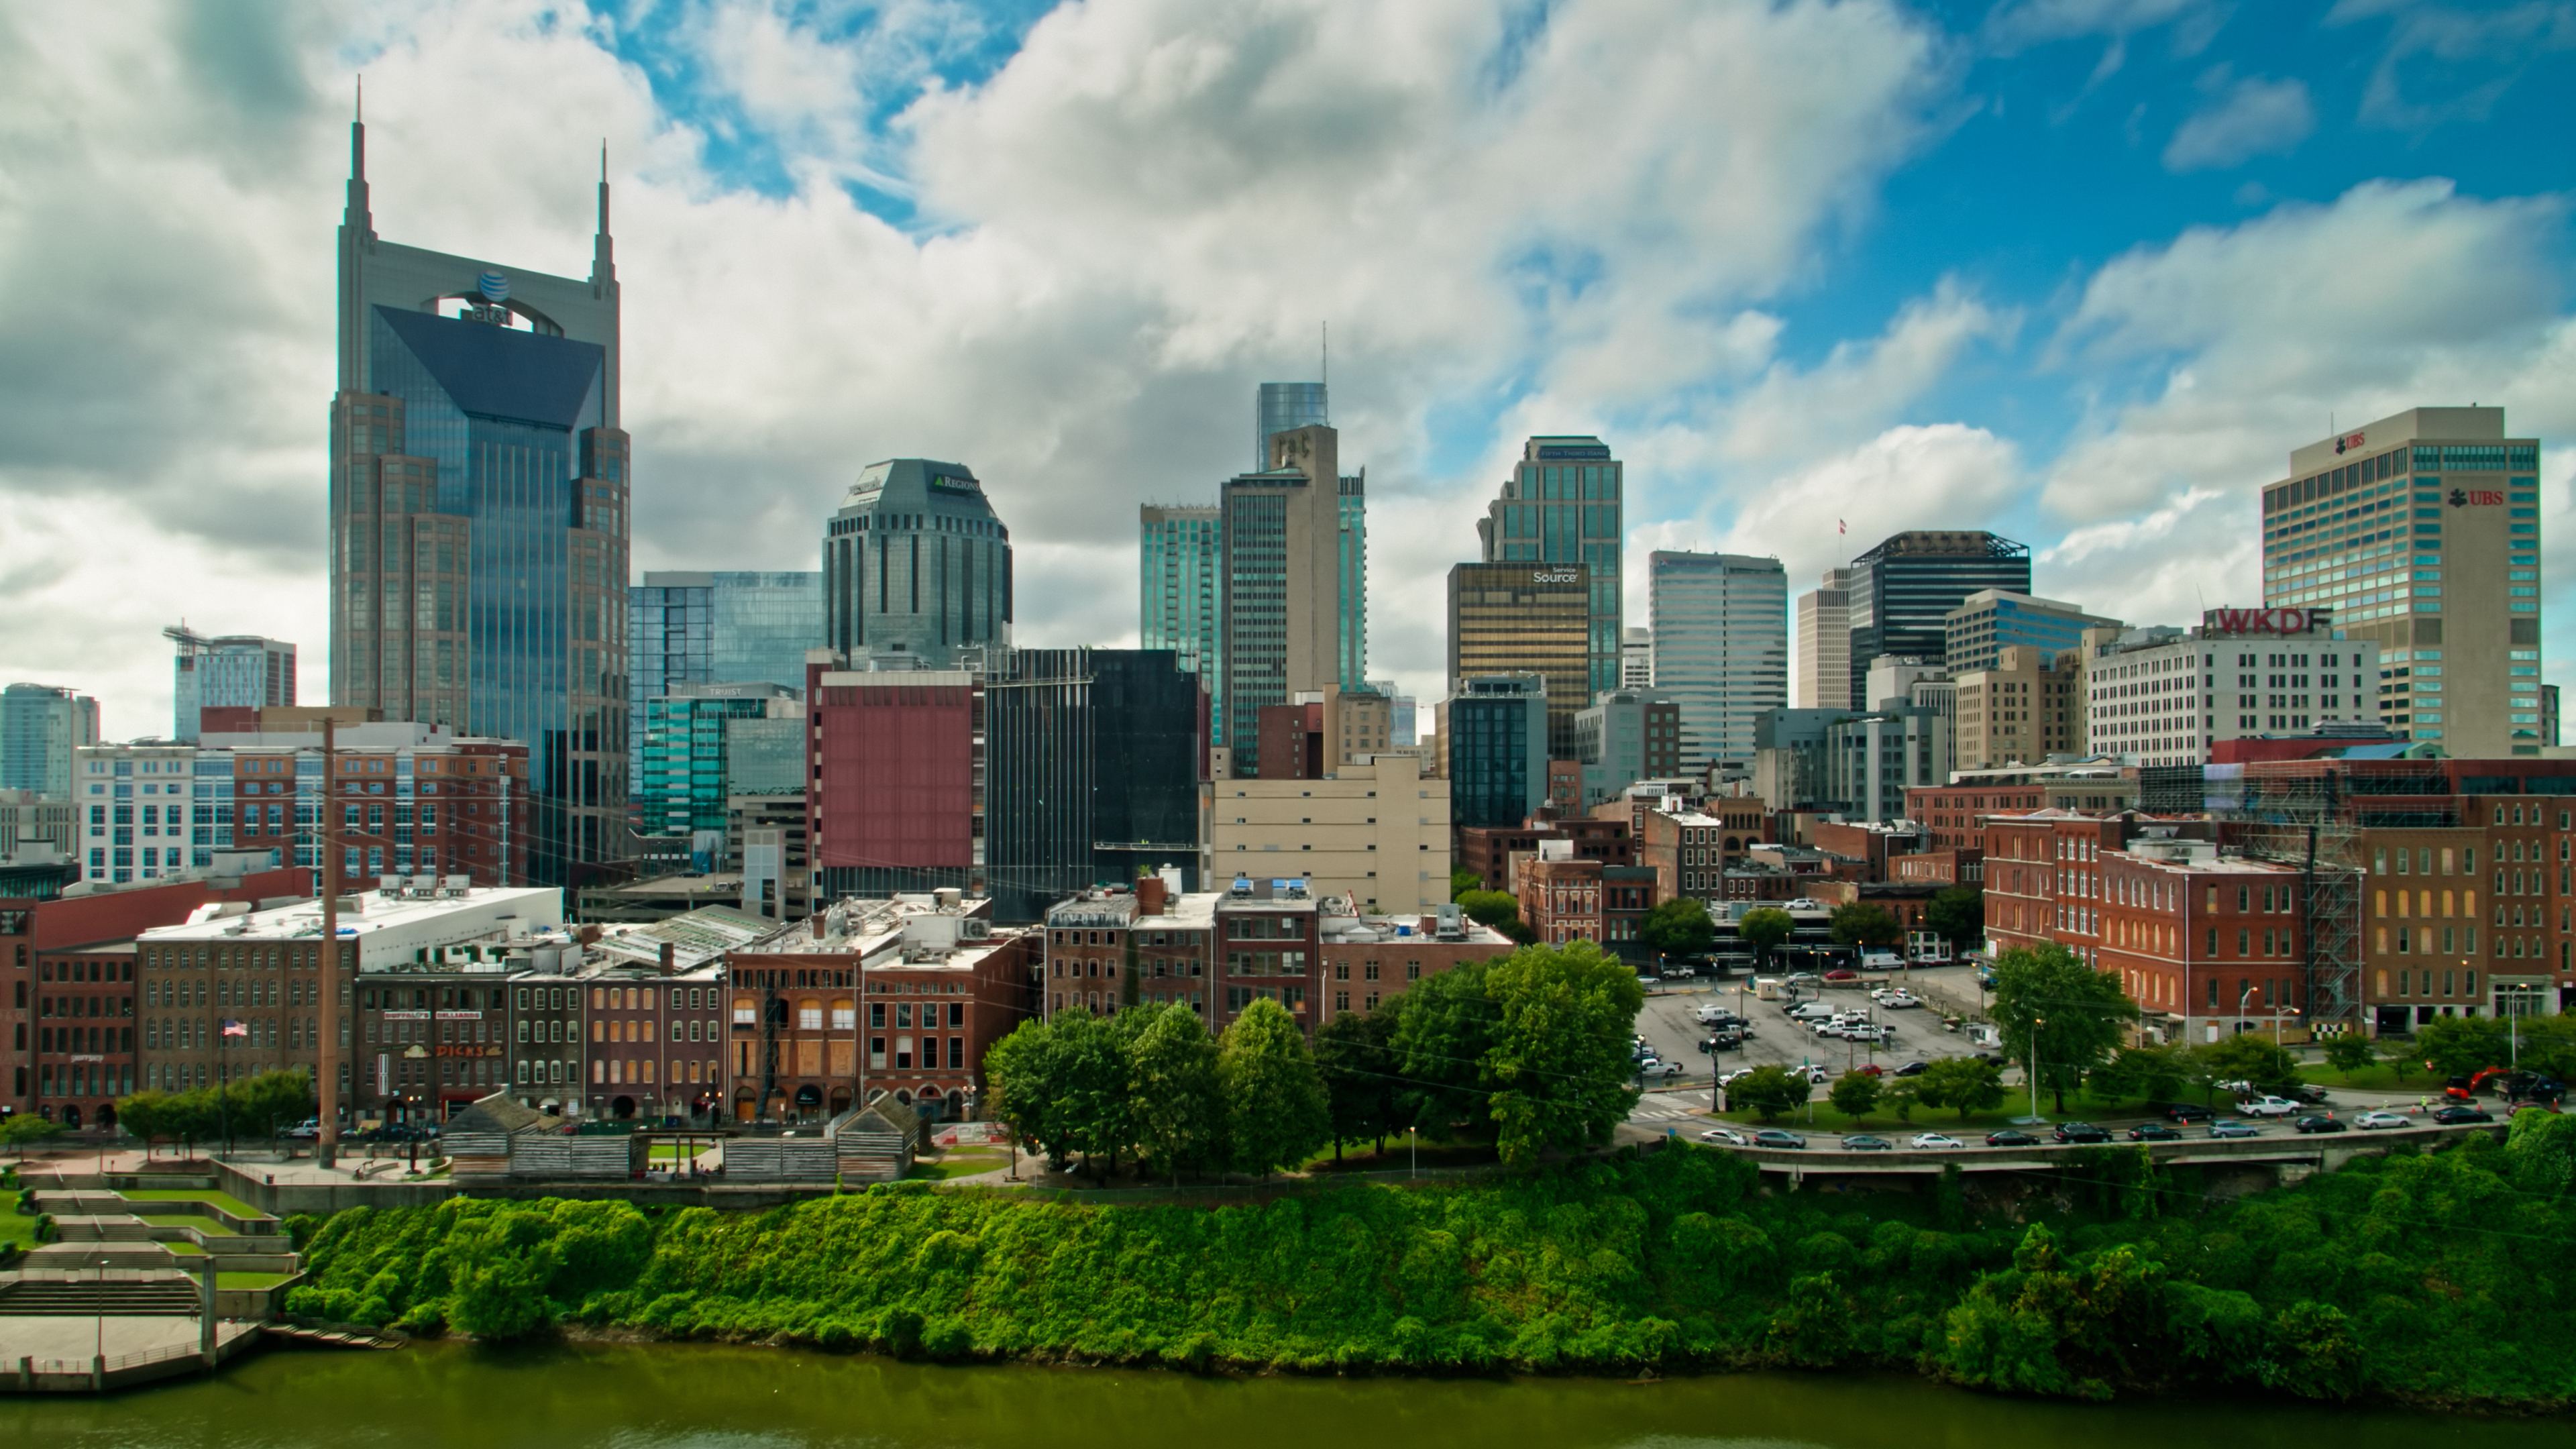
(1356,1054)
(2400,1055)
(1764,929)
(1443,1026)
(2249,1056)
(24,1129)
(1899,1097)
(1771,1091)
(1172,1086)
(2461,1046)
(1957,914)
(1024,1076)
(144,1115)
(1861,923)
(1558,1066)
(1274,1098)
(2153,1072)
(1678,927)
(1099,1096)
(1854,1093)
(2348,1052)
(1498,909)
(2047,998)
(259,1106)
(1963,1084)
(1462,881)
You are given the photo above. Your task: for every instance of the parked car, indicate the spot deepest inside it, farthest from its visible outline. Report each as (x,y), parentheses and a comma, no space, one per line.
(2010,1137)
(2371,1121)
(1712,1015)
(1808,1011)
(2230,1127)
(2080,1132)
(2458,1113)
(2268,1106)
(305,1131)
(1842,974)
(1816,1076)
(1899,1001)
(1866,1143)
(2153,1132)
(1668,1069)
(1737,1075)
(1913,1069)
(2303,1092)
(2182,1111)
(1774,1137)
(1929,1141)
(2323,1122)
(1727,1136)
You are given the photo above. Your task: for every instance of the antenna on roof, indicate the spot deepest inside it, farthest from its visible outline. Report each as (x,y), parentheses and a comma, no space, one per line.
(1326,367)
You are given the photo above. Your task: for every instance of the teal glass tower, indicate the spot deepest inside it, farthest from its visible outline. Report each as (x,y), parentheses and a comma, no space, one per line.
(479,516)
(741,627)
(1563,505)
(1180,586)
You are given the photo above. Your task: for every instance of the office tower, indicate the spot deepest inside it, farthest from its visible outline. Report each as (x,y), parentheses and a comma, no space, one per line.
(1284,631)
(40,726)
(1512,618)
(1624,736)
(1901,593)
(1990,620)
(916,569)
(2023,705)
(2421,531)
(1636,658)
(479,519)
(1562,506)
(682,777)
(1401,729)
(1181,589)
(1284,407)
(708,628)
(1721,632)
(1375,834)
(2164,695)
(236,671)
(1495,727)
(1824,644)
(1094,762)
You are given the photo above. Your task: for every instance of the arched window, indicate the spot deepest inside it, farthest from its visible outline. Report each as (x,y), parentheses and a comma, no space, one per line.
(845,1014)
(809,1014)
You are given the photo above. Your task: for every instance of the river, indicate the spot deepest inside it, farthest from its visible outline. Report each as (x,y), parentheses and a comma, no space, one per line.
(649,1396)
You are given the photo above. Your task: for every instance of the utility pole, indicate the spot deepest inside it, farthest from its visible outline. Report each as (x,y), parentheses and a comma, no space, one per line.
(326,1145)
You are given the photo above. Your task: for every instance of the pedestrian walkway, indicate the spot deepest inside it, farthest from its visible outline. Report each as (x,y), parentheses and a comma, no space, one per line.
(1657,1107)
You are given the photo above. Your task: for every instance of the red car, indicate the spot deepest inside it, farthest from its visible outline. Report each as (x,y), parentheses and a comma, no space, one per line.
(1842,976)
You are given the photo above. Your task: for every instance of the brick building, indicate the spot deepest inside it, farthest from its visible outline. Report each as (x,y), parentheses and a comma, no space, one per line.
(1488,849)
(1955,813)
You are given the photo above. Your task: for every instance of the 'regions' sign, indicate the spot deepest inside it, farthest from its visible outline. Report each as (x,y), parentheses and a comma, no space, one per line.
(2263,621)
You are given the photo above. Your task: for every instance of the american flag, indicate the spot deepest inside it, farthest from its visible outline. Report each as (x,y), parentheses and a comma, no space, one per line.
(235,1028)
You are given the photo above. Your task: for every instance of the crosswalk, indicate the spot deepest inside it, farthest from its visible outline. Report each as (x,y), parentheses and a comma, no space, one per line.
(1656,1107)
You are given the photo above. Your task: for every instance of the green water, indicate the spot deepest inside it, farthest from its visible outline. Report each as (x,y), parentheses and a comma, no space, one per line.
(648,1396)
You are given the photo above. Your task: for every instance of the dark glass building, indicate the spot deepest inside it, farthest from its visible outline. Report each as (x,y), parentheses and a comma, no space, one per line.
(1901,593)
(1513,618)
(717,627)
(1497,732)
(916,569)
(479,516)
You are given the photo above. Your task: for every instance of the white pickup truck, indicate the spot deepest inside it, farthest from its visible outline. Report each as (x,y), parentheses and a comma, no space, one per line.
(2267,1106)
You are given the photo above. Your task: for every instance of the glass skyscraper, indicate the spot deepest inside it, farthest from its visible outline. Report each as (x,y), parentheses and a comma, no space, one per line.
(1287,555)
(1562,505)
(1284,407)
(40,726)
(681,782)
(1180,587)
(237,671)
(479,515)
(1720,626)
(718,628)
(1516,618)
(916,568)
(1899,595)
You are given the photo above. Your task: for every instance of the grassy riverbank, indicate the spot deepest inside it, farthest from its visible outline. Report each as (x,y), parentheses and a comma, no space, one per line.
(2429,1278)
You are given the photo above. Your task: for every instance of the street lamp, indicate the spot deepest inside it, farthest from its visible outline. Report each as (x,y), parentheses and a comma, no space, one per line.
(2034,1119)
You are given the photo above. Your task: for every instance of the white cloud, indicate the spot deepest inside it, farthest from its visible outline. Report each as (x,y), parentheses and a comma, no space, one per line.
(2245,119)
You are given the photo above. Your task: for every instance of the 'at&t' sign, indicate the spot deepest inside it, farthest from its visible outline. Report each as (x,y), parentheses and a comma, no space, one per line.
(2261,621)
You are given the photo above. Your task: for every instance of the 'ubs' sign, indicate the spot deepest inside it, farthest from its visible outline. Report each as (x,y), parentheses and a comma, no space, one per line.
(2475,498)
(2261,621)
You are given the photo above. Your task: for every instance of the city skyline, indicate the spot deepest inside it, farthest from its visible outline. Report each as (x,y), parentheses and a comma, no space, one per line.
(2108,382)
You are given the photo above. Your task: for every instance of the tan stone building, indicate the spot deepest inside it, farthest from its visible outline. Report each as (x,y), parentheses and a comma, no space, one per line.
(1377,832)
(2021,710)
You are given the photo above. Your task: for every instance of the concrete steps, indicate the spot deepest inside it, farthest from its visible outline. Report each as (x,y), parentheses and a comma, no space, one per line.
(102,1228)
(116,1297)
(90,1256)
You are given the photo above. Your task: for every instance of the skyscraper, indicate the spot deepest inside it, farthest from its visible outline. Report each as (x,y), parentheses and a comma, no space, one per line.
(1824,644)
(1901,592)
(1284,407)
(479,514)
(2421,532)
(237,671)
(1721,626)
(1992,620)
(711,628)
(1636,658)
(1515,618)
(1285,628)
(916,569)
(681,782)
(1180,587)
(1562,505)
(1495,727)
(40,726)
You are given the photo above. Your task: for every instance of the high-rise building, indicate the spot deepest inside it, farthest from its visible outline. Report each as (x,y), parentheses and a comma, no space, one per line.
(1991,620)
(40,726)
(2421,531)
(2025,704)
(2165,695)
(1180,571)
(916,569)
(1401,728)
(682,780)
(236,671)
(1636,658)
(1495,729)
(1824,644)
(479,514)
(1721,642)
(1285,630)
(1284,407)
(1514,618)
(1624,736)
(736,627)
(1901,593)
(1562,505)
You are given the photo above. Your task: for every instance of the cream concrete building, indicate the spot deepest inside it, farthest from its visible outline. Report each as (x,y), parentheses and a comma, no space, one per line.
(1377,831)
(2021,711)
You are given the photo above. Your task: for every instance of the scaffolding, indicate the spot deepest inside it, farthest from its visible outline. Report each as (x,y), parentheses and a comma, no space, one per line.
(2303,817)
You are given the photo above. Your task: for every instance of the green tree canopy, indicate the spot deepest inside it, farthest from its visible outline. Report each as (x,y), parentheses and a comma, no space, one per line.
(1274,1098)
(1443,1028)
(2249,1056)
(1865,923)
(2048,998)
(1558,1067)
(2461,1046)
(1962,1084)
(1463,880)
(2156,1073)
(1024,1074)
(1854,1093)
(2349,1051)
(1174,1098)
(24,1129)
(1957,915)
(1770,1090)
(1678,927)
(1764,929)
(1362,1075)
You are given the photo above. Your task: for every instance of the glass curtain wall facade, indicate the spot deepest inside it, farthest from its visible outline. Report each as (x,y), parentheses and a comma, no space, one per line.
(1900,593)
(479,516)
(1284,407)
(40,726)
(1180,587)
(233,672)
(1285,550)
(681,784)
(1497,731)
(1563,505)
(1352,569)
(1510,618)
(916,569)
(703,628)
(1721,642)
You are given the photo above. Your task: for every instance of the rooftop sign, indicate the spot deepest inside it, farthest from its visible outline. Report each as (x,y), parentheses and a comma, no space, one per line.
(2263,621)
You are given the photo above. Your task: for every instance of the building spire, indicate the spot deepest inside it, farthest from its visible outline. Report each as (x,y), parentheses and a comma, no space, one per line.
(603,252)
(357,215)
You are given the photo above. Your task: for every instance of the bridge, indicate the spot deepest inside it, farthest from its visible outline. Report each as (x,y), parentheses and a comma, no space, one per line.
(2292,1155)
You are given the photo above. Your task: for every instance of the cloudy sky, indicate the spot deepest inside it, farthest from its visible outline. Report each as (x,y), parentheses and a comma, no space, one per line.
(2082,271)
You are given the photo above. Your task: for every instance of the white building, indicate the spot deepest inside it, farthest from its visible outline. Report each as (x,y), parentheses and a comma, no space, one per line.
(2164,696)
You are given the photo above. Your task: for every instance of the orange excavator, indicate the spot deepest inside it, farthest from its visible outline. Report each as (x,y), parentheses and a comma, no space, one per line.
(2467,1090)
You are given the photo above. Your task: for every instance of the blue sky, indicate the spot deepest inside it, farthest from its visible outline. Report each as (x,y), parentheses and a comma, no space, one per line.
(2079,270)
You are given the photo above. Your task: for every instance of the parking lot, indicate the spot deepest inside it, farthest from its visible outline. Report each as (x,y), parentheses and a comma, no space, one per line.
(1674,1034)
